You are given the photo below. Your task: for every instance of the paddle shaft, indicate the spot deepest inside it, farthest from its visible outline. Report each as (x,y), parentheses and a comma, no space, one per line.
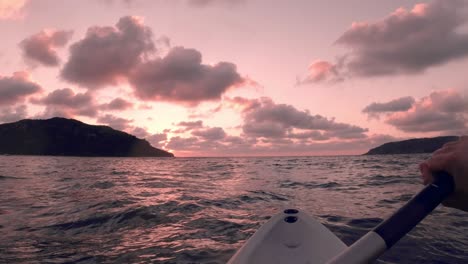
(385,235)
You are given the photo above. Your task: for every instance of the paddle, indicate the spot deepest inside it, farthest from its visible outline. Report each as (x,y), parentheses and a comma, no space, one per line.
(384,236)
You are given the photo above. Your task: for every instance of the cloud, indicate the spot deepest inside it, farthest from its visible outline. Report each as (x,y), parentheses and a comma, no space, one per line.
(242,146)
(127,3)
(41,48)
(157,140)
(16,88)
(213,133)
(397,105)
(12,9)
(404,42)
(189,125)
(181,77)
(441,111)
(205,3)
(139,132)
(12,114)
(64,102)
(321,70)
(115,122)
(269,119)
(107,54)
(117,104)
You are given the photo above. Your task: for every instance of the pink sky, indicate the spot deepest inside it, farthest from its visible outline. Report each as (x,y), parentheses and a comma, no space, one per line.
(240,77)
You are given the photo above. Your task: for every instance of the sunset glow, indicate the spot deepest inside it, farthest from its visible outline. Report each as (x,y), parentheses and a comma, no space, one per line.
(240,78)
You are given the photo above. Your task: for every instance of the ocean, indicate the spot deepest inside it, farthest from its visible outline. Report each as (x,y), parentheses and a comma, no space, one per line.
(201,210)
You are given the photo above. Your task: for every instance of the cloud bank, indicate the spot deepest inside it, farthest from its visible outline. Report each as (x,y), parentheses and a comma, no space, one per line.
(404,42)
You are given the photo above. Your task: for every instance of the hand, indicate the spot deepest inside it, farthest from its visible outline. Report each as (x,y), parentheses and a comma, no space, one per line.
(452,158)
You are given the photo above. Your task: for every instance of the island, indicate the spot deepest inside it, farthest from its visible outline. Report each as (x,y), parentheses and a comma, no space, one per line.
(70,137)
(412,146)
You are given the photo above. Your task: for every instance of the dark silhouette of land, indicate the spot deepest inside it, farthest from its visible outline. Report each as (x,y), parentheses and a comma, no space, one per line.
(69,137)
(418,145)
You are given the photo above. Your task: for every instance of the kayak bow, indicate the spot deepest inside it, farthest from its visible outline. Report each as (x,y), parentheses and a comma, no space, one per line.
(295,237)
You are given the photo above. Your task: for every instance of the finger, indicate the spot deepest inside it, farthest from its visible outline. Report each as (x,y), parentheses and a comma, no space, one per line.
(440,162)
(426,174)
(449,144)
(444,149)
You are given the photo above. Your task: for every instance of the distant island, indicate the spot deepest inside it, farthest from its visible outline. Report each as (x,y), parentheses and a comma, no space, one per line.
(69,137)
(412,146)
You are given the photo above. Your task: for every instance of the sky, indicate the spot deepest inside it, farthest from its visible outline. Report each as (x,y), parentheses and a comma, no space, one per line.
(241,77)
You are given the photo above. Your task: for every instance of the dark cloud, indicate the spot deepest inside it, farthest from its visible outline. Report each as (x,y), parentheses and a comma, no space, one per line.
(405,42)
(213,133)
(65,102)
(118,104)
(108,54)
(16,88)
(441,111)
(181,77)
(115,122)
(12,114)
(396,105)
(41,48)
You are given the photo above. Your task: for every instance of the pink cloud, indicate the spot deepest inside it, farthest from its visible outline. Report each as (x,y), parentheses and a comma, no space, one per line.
(441,111)
(12,114)
(268,119)
(181,77)
(16,88)
(268,128)
(397,105)
(107,54)
(205,3)
(212,133)
(66,103)
(404,42)
(157,140)
(118,104)
(12,9)
(115,122)
(322,71)
(41,48)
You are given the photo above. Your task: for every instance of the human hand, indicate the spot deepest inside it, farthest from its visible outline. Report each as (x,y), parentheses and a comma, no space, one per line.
(452,158)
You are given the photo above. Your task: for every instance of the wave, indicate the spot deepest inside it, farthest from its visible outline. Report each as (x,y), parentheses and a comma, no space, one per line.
(10,178)
(131,218)
(309,185)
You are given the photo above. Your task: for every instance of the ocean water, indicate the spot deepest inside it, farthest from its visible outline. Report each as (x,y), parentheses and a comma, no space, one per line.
(200,210)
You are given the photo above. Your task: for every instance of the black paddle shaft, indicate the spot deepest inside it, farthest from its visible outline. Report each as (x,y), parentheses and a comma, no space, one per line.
(408,216)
